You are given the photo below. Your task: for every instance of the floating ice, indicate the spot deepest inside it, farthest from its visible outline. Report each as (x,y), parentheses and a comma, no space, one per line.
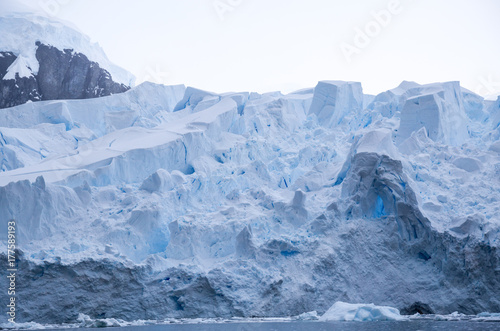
(341,311)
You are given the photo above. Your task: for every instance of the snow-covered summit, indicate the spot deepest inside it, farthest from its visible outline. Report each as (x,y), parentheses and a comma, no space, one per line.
(21,29)
(20,68)
(43,59)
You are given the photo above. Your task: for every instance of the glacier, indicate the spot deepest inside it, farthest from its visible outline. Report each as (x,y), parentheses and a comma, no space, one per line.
(171,202)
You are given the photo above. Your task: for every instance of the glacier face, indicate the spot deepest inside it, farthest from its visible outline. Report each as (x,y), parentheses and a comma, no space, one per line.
(166,201)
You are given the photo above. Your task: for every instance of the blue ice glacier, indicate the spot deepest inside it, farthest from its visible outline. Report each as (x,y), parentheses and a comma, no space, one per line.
(173,202)
(334,100)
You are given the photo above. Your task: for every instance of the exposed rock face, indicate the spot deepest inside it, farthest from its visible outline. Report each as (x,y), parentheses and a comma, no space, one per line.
(15,91)
(6,59)
(62,75)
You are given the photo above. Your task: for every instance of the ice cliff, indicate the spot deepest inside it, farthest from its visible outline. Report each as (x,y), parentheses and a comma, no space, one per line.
(167,201)
(171,202)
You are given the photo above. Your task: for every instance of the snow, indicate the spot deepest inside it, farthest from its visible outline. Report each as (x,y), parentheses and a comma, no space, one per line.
(174,202)
(160,181)
(46,129)
(124,143)
(10,7)
(441,113)
(494,113)
(389,103)
(334,100)
(35,28)
(25,147)
(18,67)
(23,326)
(474,105)
(193,97)
(377,140)
(341,311)
(309,316)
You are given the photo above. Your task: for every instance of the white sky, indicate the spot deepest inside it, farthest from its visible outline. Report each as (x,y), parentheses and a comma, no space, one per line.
(263,45)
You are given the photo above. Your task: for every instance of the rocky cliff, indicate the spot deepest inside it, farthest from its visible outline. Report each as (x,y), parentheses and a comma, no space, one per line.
(62,74)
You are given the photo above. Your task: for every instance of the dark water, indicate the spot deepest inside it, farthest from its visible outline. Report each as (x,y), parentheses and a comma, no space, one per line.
(321,326)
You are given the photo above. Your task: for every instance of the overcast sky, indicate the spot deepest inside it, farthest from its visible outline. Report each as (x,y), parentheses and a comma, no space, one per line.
(263,45)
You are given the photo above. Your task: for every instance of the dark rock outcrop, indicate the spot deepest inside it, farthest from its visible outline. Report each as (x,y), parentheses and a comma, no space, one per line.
(417,308)
(15,91)
(6,59)
(61,75)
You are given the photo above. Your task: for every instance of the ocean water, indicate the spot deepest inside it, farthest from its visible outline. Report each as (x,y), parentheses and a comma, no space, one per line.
(321,326)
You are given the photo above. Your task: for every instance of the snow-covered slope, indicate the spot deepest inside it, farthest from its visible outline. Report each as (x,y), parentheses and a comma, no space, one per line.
(43,59)
(173,202)
(16,20)
(28,129)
